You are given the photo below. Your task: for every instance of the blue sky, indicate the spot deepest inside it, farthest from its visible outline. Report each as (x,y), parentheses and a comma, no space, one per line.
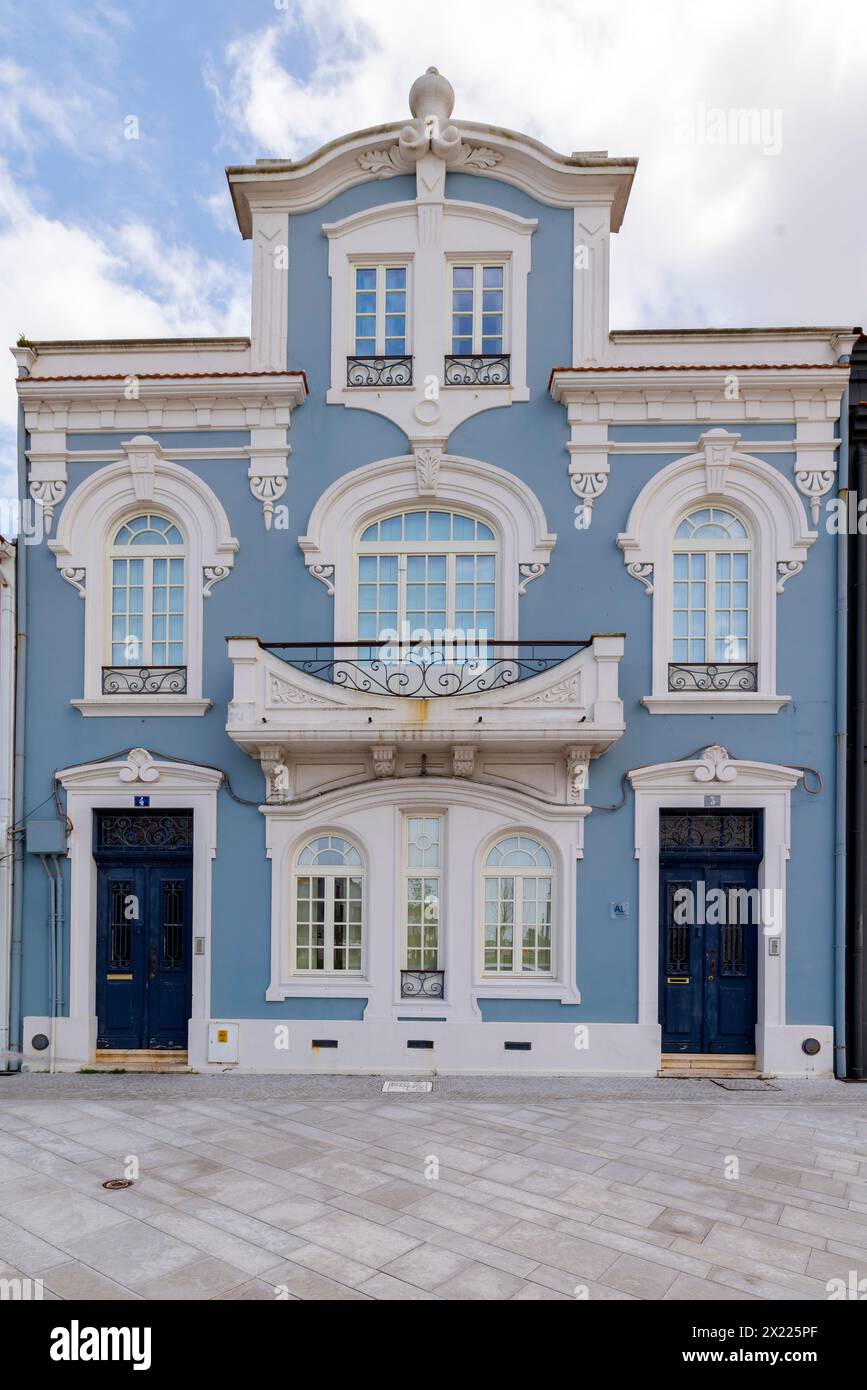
(101,235)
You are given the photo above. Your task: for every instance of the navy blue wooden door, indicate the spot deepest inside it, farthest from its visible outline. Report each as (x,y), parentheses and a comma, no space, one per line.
(143,932)
(709,930)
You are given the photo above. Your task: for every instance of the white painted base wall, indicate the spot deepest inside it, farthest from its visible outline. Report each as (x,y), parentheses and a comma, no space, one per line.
(614,1049)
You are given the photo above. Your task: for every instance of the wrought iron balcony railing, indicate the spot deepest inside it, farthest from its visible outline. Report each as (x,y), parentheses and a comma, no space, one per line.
(467,369)
(422,984)
(422,670)
(144,680)
(379,371)
(700,676)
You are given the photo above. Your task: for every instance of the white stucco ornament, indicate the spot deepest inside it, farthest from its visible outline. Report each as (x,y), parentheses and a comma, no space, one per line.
(139,767)
(715,765)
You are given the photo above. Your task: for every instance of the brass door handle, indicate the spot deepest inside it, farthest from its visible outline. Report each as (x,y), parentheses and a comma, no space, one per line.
(712,975)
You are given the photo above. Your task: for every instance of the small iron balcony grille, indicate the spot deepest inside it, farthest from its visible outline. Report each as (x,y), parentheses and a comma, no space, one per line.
(715,676)
(422,984)
(466,369)
(379,371)
(144,680)
(422,670)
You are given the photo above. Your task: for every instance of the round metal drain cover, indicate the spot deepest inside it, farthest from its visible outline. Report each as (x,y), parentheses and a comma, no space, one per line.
(114,1183)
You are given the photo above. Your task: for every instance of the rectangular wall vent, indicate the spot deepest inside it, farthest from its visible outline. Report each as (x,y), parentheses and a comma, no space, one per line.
(323,1042)
(517,1046)
(419,1042)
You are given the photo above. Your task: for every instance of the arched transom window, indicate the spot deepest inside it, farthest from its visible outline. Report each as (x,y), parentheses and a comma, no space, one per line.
(329,898)
(426,573)
(518,894)
(711,588)
(147,593)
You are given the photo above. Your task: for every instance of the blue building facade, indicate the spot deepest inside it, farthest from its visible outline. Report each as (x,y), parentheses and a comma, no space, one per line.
(424,683)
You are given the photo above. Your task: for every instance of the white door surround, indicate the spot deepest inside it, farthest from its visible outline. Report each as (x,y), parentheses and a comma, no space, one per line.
(113,786)
(741,784)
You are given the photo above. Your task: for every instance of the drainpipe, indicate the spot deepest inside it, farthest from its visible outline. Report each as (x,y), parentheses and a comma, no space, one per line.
(52,952)
(15,1038)
(855,978)
(7,814)
(842,691)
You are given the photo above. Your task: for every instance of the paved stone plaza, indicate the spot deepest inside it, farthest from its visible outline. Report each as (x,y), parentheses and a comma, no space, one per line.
(323,1188)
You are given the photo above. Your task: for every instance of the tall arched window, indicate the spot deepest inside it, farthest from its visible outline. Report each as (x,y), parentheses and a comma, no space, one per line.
(518,896)
(147,593)
(329,907)
(422,574)
(711,588)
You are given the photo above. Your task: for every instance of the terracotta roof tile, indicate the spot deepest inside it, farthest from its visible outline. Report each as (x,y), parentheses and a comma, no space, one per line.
(161,376)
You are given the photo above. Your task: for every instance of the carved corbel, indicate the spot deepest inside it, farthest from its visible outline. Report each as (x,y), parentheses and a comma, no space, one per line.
(718,446)
(577,771)
(278,782)
(383,755)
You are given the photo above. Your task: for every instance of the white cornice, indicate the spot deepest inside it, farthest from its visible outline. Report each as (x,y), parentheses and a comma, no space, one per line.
(570,386)
(283,388)
(555,179)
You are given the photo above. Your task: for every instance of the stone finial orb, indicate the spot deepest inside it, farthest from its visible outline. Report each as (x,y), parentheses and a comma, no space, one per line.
(432,95)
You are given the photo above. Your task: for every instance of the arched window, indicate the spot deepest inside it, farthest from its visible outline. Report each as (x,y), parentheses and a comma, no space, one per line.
(518,894)
(711,588)
(147,593)
(329,907)
(422,574)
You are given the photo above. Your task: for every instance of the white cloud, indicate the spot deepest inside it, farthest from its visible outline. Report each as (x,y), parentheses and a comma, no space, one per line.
(70,282)
(714,234)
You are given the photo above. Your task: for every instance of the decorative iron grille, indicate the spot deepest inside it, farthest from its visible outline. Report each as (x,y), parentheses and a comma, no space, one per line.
(416,671)
(736,831)
(144,680)
(379,371)
(173,923)
(677,934)
(144,830)
(120,947)
(464,369)
(714,675)
(422,984)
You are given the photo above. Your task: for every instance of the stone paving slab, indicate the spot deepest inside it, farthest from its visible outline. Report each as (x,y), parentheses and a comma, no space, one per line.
(484,1188)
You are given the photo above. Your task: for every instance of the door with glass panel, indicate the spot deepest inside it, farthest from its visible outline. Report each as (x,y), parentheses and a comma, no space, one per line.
(147,606)
(143,928)
(711,603)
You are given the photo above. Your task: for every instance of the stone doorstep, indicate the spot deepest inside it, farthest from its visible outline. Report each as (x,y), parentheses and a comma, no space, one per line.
(145,1060)
(715,1065)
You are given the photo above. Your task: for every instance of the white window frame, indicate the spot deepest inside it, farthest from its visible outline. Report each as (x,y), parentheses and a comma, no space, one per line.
(144,480)
(478,264)
(518,873)
(451,549)
(380,264)
(428,235)
(329,872)
(413,871)
(711,547)
(773,513)
(498,498)
(147,553)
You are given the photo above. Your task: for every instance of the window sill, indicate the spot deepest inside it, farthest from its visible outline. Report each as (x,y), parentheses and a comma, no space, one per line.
(134,706)
(729,702)
(516,987)
(342,988)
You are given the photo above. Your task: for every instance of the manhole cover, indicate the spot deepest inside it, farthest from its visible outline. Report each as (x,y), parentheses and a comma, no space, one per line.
(114,1183)
(407,1087)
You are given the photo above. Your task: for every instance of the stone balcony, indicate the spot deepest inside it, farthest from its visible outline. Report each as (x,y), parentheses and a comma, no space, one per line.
(528,715)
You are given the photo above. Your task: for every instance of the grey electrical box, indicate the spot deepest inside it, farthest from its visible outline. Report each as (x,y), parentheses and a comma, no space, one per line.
(46,836)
